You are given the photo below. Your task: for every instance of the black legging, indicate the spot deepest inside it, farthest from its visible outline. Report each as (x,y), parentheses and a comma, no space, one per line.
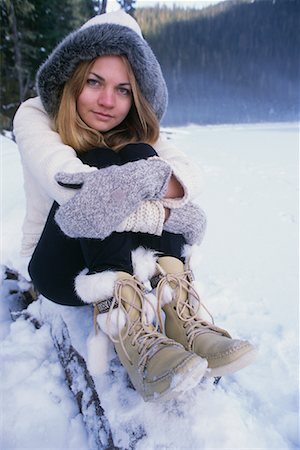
(58,259)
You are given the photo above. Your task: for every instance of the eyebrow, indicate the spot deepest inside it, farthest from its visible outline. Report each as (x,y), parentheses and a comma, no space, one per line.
(103,79)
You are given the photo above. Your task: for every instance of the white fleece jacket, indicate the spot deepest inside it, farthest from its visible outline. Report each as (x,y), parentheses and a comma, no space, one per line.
(43,155)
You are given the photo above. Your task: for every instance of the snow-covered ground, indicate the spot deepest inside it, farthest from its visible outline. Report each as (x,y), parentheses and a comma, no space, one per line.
(247,269)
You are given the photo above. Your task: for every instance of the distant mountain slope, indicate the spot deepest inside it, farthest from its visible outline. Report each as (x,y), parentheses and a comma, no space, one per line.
(236,61)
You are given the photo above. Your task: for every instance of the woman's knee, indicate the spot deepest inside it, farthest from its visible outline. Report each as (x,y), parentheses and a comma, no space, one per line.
(101,157)
(134,152)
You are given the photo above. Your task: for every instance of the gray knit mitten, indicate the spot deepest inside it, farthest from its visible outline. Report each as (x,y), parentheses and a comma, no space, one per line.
(189,220)
(107,196)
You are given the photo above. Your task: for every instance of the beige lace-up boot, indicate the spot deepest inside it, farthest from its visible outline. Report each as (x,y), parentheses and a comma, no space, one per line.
(157,366)
(224,354)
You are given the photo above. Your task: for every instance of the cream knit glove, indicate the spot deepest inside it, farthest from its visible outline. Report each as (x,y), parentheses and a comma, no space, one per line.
(148,218)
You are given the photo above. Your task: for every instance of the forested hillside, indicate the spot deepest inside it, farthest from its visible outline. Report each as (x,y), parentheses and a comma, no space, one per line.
(29,31)
(234,62)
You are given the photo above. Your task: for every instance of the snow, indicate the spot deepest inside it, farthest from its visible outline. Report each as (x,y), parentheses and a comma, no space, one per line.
(247,272)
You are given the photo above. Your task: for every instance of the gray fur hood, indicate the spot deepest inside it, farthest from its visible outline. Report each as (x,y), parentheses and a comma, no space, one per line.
(114,33)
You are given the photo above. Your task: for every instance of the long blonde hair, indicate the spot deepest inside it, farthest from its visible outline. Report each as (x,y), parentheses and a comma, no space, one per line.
(140,125)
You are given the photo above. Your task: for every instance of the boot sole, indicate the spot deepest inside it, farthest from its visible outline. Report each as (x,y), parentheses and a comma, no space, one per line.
(182,383)
(234,366)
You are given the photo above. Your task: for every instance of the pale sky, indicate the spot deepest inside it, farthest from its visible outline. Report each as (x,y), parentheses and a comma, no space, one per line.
(113,5)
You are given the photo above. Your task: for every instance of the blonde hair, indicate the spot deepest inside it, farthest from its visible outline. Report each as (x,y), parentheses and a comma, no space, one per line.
(140,125)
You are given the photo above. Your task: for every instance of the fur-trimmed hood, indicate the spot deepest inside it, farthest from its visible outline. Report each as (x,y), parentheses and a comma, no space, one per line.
(114,33)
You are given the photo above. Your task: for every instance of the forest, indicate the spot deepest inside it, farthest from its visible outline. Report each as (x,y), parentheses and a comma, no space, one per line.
(237,61)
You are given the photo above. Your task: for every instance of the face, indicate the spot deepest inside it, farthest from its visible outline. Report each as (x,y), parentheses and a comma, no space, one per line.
(106,97)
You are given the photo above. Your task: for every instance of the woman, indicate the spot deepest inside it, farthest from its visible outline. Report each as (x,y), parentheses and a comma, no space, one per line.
(103,89)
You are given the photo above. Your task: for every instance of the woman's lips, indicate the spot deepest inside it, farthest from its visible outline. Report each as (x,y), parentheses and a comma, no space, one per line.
(102,116)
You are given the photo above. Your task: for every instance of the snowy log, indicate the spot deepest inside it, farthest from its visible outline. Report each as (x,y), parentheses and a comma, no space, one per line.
(77,375)
(79,381)
(82,386)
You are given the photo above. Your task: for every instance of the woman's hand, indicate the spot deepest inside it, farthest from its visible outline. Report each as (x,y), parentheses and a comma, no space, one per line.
(174,189)
(167,213)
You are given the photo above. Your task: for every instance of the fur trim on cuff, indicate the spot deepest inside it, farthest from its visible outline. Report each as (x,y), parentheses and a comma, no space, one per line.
(150,310)
(144,263)
(95,287)
(112,324)
(167,295)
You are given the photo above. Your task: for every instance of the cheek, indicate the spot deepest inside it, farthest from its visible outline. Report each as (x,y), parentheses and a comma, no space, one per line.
(80,105)
(86,98)
(82,101)
(127,105)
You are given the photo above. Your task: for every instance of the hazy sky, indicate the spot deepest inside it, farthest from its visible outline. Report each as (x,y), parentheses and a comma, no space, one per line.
(112,4)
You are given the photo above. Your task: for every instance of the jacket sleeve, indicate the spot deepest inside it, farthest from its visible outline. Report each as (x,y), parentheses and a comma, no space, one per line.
(188,172)
(42,151)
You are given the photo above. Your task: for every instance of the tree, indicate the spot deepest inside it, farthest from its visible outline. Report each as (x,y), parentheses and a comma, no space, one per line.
(100,6)
(30,29)
(13,48)
(128,6)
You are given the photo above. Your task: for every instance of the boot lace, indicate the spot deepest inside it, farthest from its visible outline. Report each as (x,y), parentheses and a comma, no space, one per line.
(183,292)
(145,335)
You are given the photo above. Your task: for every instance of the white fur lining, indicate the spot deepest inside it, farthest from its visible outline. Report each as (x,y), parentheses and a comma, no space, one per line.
(112,323)
(167,295)
(95,287)
(144,263)
(150,309)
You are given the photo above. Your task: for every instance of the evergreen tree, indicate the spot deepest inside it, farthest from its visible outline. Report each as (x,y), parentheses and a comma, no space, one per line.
(30,29)
(13,47)
(100,6)
(128,6)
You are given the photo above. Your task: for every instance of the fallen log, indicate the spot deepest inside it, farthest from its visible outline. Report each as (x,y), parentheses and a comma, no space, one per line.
(77,376)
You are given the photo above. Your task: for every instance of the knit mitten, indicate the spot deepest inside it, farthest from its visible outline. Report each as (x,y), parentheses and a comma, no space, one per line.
(107,196)
(189,220)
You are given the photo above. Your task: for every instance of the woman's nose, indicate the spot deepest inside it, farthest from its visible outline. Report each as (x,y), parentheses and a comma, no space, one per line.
(106,97)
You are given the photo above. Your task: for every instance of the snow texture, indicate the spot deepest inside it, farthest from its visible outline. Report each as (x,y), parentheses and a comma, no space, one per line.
(247,272)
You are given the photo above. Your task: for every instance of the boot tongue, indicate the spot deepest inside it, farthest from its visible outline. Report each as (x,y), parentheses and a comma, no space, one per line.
(133,305)
(169,264)
(129,296)
(175,268)
(183,309)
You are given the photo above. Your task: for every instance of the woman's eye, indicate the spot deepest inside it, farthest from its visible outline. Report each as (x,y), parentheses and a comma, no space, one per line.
(92,82)
(125,91)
